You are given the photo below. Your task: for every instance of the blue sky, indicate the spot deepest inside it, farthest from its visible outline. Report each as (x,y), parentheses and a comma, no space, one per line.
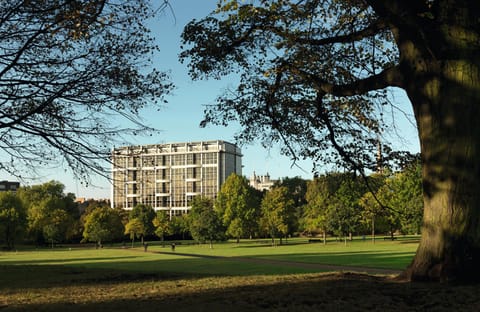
(179,120)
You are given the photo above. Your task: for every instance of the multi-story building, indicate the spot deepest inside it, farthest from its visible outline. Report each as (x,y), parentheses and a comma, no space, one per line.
(168,176)
(9,186)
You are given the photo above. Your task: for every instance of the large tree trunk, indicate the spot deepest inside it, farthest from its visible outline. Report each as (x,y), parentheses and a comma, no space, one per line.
(447,108)
(442,78)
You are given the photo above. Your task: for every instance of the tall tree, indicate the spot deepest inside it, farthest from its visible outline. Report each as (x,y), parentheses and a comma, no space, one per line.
(319,195)
(67,68)
(162,224)
(297,188)
(56,227)
(204,223)
(41,202)
(277,210)
(103,224)
(13,218)
(345,211)
(374,214)
(409,198)
(238,204)
(135,229)
(180,226)
(314,74)
(145,214)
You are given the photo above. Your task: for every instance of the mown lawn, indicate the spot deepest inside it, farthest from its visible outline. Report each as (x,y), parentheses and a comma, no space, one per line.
(116,279)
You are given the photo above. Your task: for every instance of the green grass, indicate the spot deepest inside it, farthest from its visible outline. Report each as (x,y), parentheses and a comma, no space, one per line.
(222,259)
(382,254)
(192,278)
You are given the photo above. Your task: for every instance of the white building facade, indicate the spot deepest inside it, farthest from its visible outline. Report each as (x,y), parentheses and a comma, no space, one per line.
(168,176)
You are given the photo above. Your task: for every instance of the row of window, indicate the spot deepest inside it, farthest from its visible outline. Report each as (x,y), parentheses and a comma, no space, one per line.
(165,160)
(156,201)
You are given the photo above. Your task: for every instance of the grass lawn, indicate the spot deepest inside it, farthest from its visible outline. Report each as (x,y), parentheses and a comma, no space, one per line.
(382,254)
(116,279)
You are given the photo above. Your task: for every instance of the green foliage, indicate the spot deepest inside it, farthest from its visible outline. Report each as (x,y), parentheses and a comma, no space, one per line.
(318,196)
(58,224)
(277,211)
(162,224)
(145,214)
(297,188)
(135,229)
(343,204)
(403,193)
(42,202)
(103,224)
(204,223)
(13,218)
(410,203)
(180,226)
(238,205)
(345,210)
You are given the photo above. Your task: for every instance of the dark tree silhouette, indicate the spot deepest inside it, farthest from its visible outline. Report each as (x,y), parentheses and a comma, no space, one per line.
(71,74)
(314,75)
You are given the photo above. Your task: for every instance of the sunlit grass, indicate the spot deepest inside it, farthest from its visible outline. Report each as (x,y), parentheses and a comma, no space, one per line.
(222,259)
(191,278)
(381,254)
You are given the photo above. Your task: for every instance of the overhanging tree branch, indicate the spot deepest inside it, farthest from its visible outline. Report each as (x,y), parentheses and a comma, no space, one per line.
(390,77)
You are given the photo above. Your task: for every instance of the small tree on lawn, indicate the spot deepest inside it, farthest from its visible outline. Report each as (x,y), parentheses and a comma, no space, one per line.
(144,214)
(135,229)
(102,224)
(56,229)
(162,225)
(205,224)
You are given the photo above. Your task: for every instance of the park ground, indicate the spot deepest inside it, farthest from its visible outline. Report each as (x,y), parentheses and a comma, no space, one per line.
(250,276)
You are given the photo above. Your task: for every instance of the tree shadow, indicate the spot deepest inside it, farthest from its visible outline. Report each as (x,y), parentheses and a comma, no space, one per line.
(321,292)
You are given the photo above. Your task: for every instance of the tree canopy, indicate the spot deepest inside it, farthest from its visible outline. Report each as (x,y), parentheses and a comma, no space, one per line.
(50,212)
(204,223)
(277,212)
(238,205)
(13,218)
(315,74)
(103,224)
(69,70)
(145,215)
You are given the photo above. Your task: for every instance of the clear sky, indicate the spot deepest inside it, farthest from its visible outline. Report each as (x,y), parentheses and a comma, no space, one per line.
(179,120)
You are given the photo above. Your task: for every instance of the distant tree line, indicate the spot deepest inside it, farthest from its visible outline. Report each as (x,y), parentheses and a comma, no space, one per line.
(333,204)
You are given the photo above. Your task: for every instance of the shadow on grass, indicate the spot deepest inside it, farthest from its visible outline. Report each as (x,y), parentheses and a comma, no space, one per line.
(374,259)
(14,271)
(31,277)
(34,274)
(324,292)
(63,261)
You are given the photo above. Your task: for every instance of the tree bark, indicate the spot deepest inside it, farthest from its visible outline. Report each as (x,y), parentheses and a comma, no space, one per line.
(447,110)
(439,60)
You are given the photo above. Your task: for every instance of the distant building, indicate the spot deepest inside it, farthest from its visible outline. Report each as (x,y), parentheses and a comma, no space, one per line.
(168,176)
(261,182)
(9,186)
